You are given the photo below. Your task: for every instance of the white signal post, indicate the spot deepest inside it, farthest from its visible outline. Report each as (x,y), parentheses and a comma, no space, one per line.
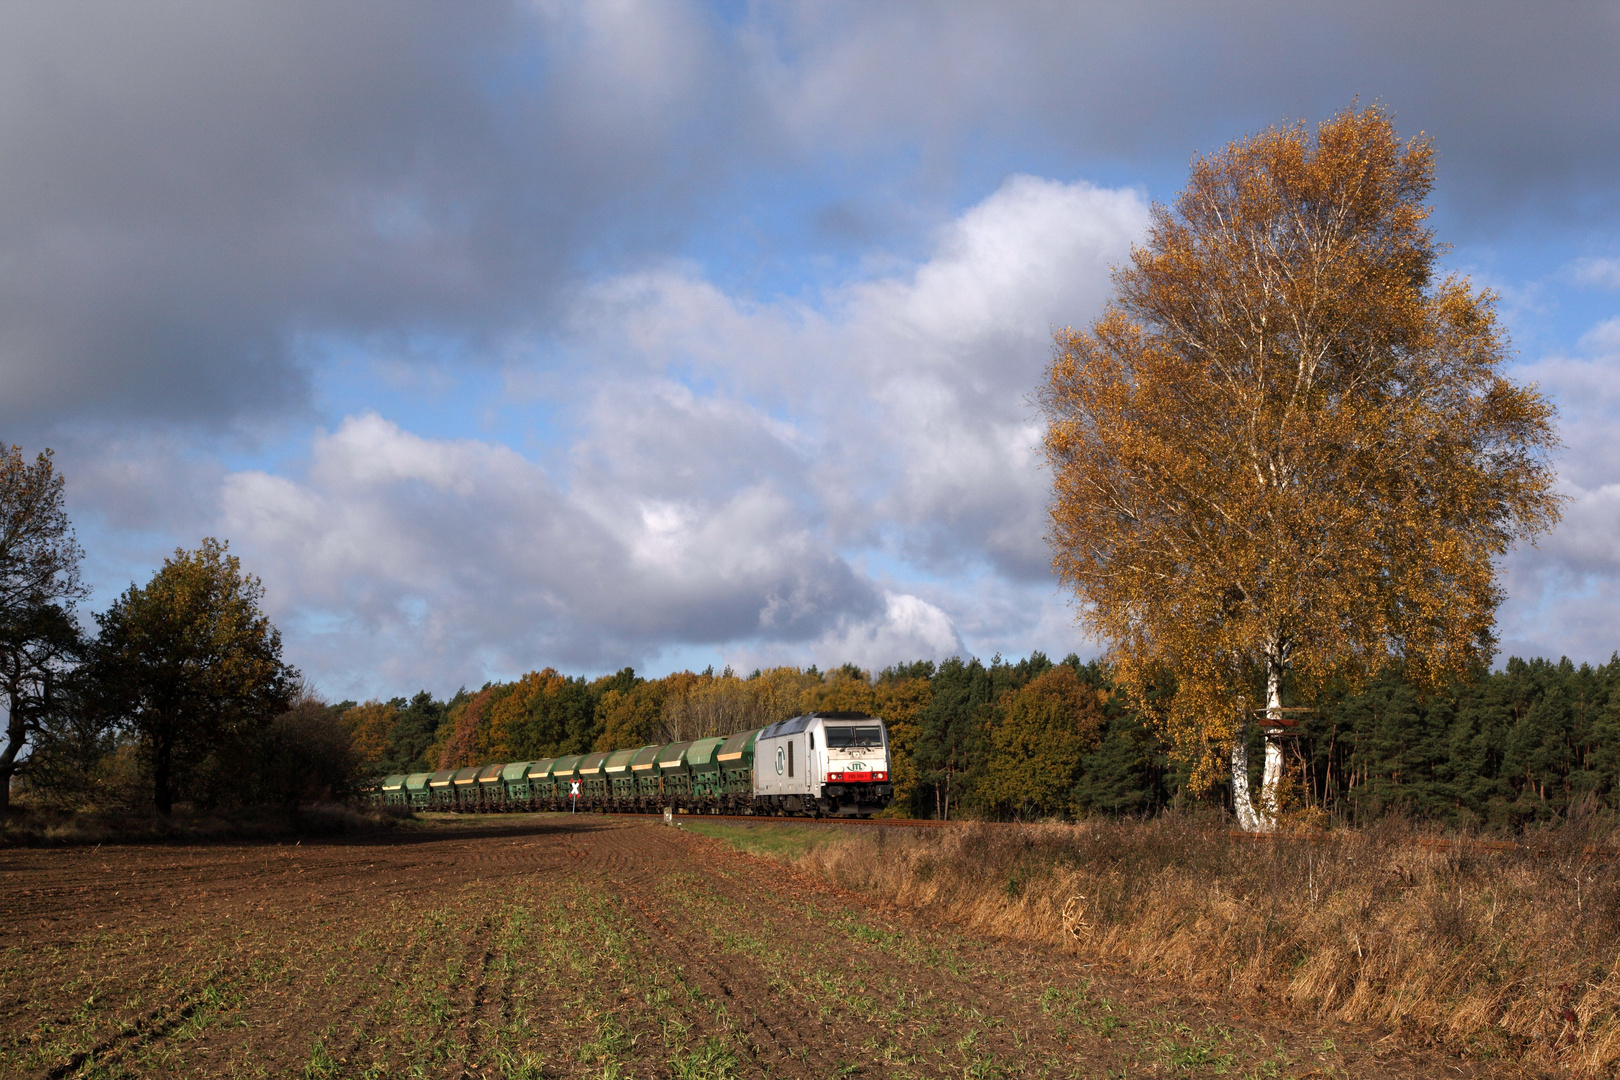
(573,793)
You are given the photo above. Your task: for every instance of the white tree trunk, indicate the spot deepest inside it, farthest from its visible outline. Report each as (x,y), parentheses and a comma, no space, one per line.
(1271,782)
(1242,805)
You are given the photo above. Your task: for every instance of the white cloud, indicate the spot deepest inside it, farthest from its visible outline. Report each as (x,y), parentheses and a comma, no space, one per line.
(1602,338)
(442,560)
(1563,593)
(909,393)
(1602,273)
(908,628)
(733,465)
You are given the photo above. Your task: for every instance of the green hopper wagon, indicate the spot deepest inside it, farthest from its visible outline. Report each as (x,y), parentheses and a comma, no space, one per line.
(736,760)
(674,771)
(590,771)
(465,783)
(621,787)
(491,792)
(644,772)
(441,796)
(515,779)
(393,790)
(563,774)
(540,785)
(704,768)
(416,790)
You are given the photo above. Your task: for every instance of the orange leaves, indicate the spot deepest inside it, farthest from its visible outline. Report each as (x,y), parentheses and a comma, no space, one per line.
(1283,436)
(465,724)
(370,726)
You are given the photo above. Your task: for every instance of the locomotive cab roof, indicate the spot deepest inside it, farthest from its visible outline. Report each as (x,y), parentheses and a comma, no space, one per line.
(800,723)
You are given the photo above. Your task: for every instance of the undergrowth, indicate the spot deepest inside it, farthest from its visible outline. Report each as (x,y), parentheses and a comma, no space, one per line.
(1496,950)
(39,826)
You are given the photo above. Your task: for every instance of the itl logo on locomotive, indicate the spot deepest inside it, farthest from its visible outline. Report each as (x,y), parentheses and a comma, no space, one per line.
(781,759)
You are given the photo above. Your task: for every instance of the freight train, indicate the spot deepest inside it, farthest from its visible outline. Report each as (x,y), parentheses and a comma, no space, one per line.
(822,764)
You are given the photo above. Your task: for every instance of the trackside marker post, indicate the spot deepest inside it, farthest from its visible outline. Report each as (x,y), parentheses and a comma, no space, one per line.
(573,793)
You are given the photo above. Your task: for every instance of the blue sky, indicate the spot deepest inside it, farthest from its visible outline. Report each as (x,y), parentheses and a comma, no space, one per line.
(664,334)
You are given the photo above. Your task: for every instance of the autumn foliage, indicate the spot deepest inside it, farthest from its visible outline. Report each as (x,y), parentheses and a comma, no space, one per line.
(1044,730)
(1286,453)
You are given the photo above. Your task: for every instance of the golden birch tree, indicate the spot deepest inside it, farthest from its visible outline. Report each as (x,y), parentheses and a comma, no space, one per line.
(1286,452)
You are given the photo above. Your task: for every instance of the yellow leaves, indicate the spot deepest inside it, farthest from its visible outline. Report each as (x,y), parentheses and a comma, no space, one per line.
(631,718)
(369,727)
(509,714)
(464,734)
(1038,738)
(1281,432)
(844,690)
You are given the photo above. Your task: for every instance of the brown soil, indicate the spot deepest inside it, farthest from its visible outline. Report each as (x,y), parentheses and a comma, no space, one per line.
(558,947)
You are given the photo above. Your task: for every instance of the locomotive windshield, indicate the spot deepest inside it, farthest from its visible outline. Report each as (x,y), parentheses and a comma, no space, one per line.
(841,738)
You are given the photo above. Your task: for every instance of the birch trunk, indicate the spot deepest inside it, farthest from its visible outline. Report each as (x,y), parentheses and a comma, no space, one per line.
(1242,805)
(1271,782)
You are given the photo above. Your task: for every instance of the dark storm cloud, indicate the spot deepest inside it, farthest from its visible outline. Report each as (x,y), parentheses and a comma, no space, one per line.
(1519,97)
(194,190)
(190,190)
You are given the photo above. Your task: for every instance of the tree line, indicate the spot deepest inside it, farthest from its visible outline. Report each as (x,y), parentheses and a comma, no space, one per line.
(1034,739)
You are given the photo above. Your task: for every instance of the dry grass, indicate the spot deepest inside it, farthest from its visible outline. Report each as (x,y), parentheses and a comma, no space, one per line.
(43,826)
(1498,952)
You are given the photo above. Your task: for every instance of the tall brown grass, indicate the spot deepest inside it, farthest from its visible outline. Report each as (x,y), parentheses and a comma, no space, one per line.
(1505,949)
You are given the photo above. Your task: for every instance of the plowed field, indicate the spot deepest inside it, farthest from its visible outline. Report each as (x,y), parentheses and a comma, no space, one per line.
(559,947)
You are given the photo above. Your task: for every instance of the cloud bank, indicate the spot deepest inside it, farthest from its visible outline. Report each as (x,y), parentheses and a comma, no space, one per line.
(604,333)
(839,460)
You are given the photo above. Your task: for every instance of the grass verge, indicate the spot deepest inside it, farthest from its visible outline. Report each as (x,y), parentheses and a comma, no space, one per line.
(789,842)
(1493,952)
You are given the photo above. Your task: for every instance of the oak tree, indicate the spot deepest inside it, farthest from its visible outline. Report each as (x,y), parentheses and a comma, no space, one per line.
(1286,452)
(192,667)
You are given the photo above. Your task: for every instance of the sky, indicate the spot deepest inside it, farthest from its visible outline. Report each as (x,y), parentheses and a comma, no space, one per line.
(500,336)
